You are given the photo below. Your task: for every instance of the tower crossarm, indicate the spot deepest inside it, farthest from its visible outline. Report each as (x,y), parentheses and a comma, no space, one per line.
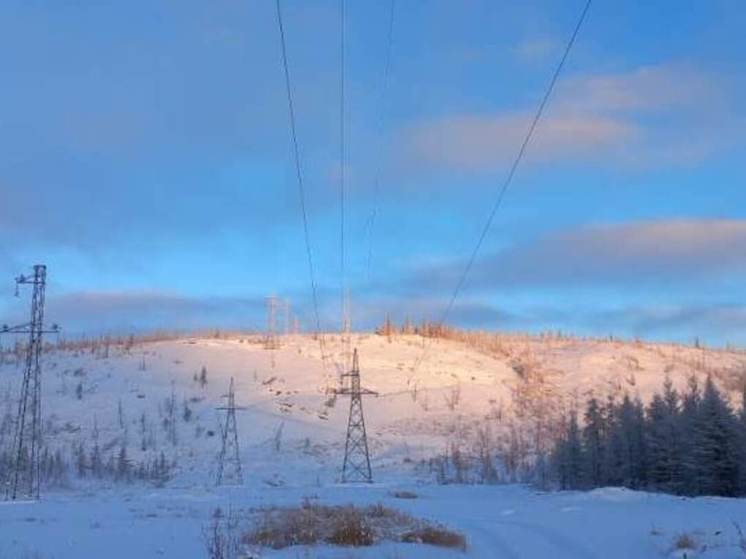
(361,391)
(27,329)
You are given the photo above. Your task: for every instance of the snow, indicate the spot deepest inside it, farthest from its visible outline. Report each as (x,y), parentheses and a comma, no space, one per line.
(408,421)
(499,521)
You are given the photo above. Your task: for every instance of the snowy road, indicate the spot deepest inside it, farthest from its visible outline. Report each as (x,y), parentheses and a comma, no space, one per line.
(506,522)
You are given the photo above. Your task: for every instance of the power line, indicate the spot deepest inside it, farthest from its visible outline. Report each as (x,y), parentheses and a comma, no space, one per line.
(342,154)
(377,172)
(344,296)
(511,173)
(301,189)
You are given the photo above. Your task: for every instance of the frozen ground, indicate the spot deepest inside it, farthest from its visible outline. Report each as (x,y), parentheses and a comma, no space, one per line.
(292,439)
(500,521)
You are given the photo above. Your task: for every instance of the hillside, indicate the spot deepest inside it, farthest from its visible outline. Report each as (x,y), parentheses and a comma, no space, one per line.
(505,392)
(515,381)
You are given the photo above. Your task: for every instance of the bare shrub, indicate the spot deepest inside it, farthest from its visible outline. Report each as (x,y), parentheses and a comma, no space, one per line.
(281,528)
(404,495)
(312,523)
(453,397)
(221,537)
(685,541)
(351,528)
(436,535)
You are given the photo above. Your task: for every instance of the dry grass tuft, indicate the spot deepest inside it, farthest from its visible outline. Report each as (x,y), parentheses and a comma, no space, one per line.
(404,495)
(436,535)
(685,541)
(351,528)
(312,523)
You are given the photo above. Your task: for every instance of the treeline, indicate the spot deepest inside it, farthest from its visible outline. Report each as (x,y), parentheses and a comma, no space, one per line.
(690,443)
(120,468)
(483,340)
(102,345)
(57,468)
(424,328)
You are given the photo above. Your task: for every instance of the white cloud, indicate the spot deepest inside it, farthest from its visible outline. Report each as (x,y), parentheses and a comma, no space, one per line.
(124,311)
(665,252)
(651,116)
(535,48)
(477,142)
(657,87)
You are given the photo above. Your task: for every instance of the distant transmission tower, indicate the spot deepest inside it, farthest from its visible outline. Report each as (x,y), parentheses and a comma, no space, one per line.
(229,453)
(356,466)
(346,338)
(286,307)
(24,477)
(271,341)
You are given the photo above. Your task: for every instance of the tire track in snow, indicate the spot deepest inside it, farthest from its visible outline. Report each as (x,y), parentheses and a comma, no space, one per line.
(550,543)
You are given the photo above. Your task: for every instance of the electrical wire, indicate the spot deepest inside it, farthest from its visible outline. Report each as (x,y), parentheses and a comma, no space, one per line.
(382,106)
(509,177)
(301,187)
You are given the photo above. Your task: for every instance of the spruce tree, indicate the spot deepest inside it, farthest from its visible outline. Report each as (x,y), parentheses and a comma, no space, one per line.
(572,456)
(594,444)
(639,444)
(123,465)
(80,460)
(628,436)
(740,429)
(687,423)
(715,453)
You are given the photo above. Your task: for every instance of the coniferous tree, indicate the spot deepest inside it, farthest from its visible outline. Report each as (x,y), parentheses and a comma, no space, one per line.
(663,443)
(715,453)
(80,460)
(186,412)
(593,436)
(638,443)
(613,464)
(96,463)
(568,455)
(693,444)
(120,414)
(626,446)
(123,465)
(740,428)
(690,404)
(143,432)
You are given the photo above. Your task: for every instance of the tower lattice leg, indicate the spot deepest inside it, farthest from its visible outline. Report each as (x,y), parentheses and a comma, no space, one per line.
(356,465)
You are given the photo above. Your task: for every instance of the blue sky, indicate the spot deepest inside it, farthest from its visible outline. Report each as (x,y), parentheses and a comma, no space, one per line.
(145,157)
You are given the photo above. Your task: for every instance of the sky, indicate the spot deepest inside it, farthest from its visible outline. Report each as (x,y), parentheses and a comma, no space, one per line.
(145,158)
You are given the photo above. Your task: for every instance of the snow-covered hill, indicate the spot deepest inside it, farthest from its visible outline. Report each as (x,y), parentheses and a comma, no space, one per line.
(419,405)
(432,394)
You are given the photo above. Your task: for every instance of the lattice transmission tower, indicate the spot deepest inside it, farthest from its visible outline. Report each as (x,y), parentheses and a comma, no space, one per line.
(271,341)
(229,459)
(346,333)
(23,479)
(356,465)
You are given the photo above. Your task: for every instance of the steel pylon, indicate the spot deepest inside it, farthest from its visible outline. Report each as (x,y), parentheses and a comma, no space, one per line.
(356,465)
(229,459)
(24,478)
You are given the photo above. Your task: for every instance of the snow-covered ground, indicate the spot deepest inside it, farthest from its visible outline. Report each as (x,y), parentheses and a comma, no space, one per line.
(292,438)
(499,521)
